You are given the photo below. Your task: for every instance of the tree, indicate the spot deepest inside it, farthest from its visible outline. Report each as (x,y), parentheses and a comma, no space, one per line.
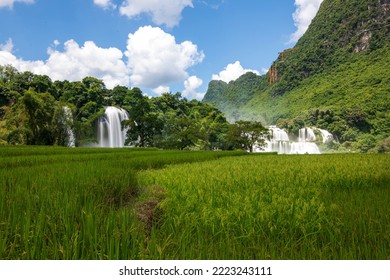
(143,122)
(30,120)
(118,95)
(384,146)
(96,90)
(40,109)
(246,135)
(210,125)
(42,83)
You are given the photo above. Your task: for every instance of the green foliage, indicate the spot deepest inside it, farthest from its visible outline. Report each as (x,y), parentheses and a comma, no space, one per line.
(229,97)
(32,112)
(60,203)
(338,70)
(273,207)
(33,122)
(143,122)
(82,203)
(247,135)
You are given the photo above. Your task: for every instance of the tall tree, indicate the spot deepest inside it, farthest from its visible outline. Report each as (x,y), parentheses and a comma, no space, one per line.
(246,135)
(143,122)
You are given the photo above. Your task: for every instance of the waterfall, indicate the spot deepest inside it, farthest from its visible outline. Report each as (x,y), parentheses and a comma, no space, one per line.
(304,148)
(109,130)
(280,142)
(326,135)
(306,142)
(68,123)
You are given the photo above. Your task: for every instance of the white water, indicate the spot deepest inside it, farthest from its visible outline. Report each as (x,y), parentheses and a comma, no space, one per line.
(326,135)
(109,130)
(304,148)
(280,141)
(69,122)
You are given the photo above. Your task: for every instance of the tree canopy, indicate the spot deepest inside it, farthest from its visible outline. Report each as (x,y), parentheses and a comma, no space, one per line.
(37,111)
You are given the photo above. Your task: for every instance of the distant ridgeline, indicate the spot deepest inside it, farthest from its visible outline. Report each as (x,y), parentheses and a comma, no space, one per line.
(336,78)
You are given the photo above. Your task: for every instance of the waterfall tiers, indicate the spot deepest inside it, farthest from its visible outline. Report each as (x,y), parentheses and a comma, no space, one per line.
(109,130)
(279,141)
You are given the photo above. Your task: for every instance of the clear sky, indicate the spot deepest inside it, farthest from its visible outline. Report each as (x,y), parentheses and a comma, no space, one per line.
(156,45)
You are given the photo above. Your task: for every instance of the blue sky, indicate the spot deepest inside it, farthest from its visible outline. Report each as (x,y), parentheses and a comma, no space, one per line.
(157,45)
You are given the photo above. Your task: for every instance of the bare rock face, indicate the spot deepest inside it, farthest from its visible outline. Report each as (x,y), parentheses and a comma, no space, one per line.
(381,10)
(364,42)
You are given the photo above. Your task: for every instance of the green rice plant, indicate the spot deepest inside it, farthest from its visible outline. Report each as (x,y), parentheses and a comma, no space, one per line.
(58,203)
(275,207)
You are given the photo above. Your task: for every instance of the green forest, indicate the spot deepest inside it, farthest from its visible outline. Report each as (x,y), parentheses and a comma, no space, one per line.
(33,112)
(336,77)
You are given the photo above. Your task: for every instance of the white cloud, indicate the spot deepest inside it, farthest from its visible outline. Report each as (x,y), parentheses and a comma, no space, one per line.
(78,62)
(166,12)
(155,59)
(232,72)
(213,4)
(10,3)
(161,89)
(190,88)
(56,43)
(8,46)
(75,63)
(6,57)
(105,4)
(303,15)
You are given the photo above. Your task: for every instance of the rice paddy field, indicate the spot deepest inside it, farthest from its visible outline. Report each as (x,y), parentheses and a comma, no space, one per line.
(61,203)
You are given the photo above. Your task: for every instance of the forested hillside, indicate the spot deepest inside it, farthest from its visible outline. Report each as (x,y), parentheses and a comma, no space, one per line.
(34,110)
(336,77)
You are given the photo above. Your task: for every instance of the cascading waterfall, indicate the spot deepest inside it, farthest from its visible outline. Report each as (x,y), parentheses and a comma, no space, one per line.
(326,135)
(68,123)
(280,142)
(109,131)
(306,142)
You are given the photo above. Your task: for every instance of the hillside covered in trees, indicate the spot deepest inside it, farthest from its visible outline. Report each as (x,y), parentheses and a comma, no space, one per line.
(37,111)
(336,77)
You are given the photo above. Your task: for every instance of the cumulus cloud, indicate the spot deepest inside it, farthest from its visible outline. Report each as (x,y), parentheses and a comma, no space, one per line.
(190,88)
(232,72)
(155,59)
(10,3)
(161,89)
(166,12)
(105,4)
(303,15)
(75,63)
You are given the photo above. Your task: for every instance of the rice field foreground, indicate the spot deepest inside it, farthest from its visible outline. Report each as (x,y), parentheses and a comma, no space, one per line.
(58,203)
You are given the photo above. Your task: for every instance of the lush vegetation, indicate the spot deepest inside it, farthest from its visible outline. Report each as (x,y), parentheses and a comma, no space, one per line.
(229,97)
(60,203)
(275,207)
(336,78)
(36,111)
